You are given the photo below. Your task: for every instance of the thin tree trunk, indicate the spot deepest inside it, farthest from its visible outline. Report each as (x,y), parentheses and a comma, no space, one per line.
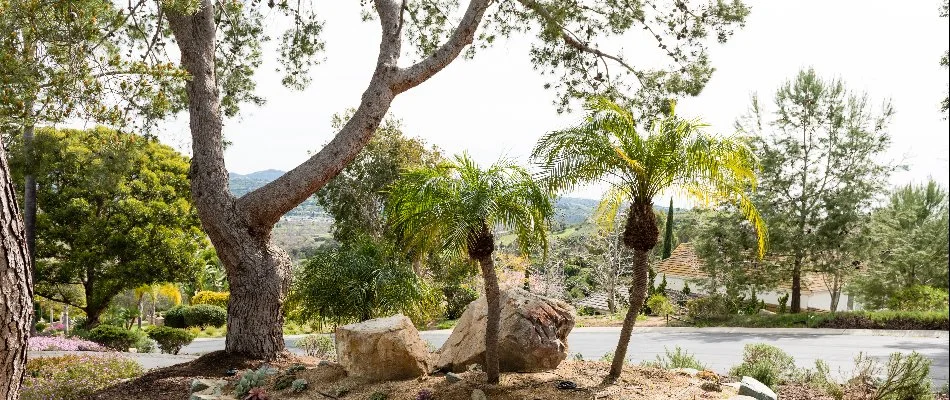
(16,289)
(797,286)
(638,290)
(611,301)
(492,294)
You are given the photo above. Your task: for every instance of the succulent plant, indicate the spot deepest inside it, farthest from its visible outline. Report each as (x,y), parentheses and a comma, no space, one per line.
(257,394)
(425,394)
(298,385)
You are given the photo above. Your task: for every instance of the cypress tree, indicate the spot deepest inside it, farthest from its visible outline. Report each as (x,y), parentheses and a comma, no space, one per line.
(668,235)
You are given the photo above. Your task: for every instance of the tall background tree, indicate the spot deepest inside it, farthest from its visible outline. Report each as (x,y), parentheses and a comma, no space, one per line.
(821,166)
(566,48)
(456,207)
(356,197)
(83,60)
(114,214)
(675,153)
(906,247)
(668,233)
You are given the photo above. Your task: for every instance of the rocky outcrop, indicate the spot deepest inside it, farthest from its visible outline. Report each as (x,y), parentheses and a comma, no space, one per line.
(382,349)
(532,334)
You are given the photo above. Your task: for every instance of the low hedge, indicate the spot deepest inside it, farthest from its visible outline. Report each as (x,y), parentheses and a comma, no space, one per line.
(201,315)
(896,320)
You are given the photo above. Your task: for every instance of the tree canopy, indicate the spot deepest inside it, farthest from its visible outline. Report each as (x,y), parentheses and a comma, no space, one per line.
(821,167)
(115,214)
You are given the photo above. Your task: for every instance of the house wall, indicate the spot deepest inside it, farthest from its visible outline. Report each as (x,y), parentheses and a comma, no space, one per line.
(818,300)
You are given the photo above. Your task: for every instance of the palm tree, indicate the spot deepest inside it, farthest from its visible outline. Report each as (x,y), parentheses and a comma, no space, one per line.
(675,154)
(455,206)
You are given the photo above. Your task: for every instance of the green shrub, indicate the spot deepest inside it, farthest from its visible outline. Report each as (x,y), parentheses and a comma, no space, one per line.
(74,377)
(917,320)
(820,378)
(169,339)
(219,299)
(783,303)
(143,344)
(175,317)
(378,396)
(320,346)
(659,305)
(360,280)
(678,358)
(904,377)
(708,308)
(41,326)
(767,364)
(919,298)
(458,297)
(204,315)
(114,337)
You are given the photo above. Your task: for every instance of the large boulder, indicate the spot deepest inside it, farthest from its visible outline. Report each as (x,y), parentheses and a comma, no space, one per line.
(532,334)
(382,349)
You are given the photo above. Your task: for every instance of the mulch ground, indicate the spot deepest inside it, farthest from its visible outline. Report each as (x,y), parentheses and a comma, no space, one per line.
(174,382)
(331,382)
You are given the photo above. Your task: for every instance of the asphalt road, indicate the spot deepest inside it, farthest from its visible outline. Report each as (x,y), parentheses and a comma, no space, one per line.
(718,348)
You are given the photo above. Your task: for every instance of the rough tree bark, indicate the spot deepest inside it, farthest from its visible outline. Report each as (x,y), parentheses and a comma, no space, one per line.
(640,234)
(480,249)
(16,289)
(240,229)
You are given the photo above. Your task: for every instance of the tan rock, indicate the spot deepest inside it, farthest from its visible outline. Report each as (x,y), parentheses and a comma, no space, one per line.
(532,334)
(382,349)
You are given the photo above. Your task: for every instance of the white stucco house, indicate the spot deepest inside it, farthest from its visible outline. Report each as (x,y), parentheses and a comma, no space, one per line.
(685,266)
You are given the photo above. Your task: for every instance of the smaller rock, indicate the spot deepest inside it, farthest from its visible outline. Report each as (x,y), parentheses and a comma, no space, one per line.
(763,311)
(452,377)
(685,371)
(325,363)
(478,394)
(711,386)
(755,389)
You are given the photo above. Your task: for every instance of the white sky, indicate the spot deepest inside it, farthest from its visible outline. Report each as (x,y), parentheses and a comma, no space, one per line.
(495,105)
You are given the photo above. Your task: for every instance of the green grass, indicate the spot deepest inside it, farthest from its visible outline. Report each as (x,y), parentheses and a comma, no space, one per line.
(447,324)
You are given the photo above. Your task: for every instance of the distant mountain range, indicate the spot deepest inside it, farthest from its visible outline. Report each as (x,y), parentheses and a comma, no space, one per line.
(568,210)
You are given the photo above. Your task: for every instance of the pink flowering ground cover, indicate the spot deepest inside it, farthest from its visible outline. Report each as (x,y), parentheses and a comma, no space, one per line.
(54,343)
(75,377)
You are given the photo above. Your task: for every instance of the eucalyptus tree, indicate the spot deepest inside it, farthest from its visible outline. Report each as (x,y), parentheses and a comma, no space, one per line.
(674,154)
(456,206)
(821,152)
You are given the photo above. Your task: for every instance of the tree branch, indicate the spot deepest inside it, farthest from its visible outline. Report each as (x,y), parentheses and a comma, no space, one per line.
(464,34)
(265,205)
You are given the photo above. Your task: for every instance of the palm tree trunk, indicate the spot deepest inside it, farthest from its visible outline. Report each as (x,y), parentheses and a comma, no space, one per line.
(16,289)
(638,292)
(492,294)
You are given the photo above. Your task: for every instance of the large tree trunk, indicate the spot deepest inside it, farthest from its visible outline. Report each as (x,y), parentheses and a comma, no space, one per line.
(640,234)
(259,275)
(638,291)
(258,272)
(16,289)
